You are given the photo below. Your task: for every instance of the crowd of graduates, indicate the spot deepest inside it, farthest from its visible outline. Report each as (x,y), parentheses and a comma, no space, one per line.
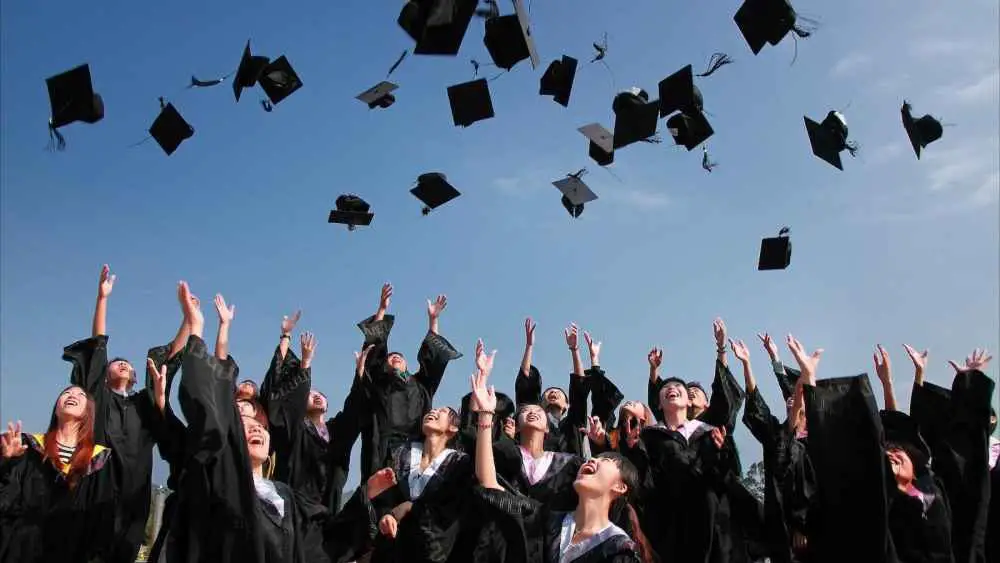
(550,475)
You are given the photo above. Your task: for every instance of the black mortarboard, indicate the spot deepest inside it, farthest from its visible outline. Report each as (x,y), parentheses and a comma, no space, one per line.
(434,191)
(379,95)
(557,81)
(635,117)
(601,148)
(170,130)
(72,97)
(829,138)
(765,21)
(351,211)
(249,71)
(690,130)
(575,194)
(470,102)
(438,26)
(278,80)
(922,131)
(505,41)
(775,252)
(679,93)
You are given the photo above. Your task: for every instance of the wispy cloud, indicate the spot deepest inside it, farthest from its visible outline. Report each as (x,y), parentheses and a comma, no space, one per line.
(984,90)
(943,48)
(886,152)
(957,169)
(850,64)
(636,198)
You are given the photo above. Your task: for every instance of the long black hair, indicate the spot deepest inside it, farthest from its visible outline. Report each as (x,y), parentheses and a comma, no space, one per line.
(623,512)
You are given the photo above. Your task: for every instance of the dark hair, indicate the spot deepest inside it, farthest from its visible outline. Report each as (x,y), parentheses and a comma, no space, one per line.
(993,425)
(80,462)
(630,477)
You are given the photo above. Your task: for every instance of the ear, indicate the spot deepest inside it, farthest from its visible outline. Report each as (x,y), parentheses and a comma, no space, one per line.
(620,488)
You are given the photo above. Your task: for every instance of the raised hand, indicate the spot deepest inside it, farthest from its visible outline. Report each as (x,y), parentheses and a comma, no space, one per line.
(159,379)
(484,362)
(572,336)
(388,526)
(594,347)
(655,358)
(719,436)
(226,314)
(883,367)
(308,343)
(288,323)
(769,345)
(529,332)
(385,297)
(192,309)
(807,362)
(359,360)
(484,398)
(11,444)
(978,361)
(919,359)
(740,350)
(107,282)
(381,481)
(596,432)
(719,329)
(436,307)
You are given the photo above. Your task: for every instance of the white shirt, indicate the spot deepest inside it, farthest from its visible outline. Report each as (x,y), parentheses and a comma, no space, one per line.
(535,469)
(994,451)
(418,479)
(689,428)
(267,492)
(569,551)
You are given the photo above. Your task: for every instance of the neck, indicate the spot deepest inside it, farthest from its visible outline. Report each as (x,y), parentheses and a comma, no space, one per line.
(258,469)
(674,417)
(316,418)
(696,412)
(118,386)
(554,410)
(534,441)
(68,433)
(591,515)
(434,444)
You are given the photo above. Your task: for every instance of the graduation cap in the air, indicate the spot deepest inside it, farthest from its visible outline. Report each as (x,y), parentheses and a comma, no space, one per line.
(72,98)
(438,26)
(829,138)
(575,193)
(775,252)
(351,211)
(379,95)
(433,190)
(601,148)
(689,129)
(278,80)
(557,81)
(635,117)
(921,131)
(508,39)
(470,102)
(169,129)
(249,71)
(767,21)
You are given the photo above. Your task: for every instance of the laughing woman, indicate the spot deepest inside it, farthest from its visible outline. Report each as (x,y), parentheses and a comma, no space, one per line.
(56,489)
(585,535)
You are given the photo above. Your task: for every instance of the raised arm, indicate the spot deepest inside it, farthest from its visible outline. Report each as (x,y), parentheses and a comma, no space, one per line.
(104,287)
(528,383)
(484,402)
(883,368)
(919,360)
(604,394)
(226,314)
(285,340)
(435,352)
(383,303)
(719,329)
(434,310)
(743,355)
(573,342)
(529,346)
(655,358)
(376,330)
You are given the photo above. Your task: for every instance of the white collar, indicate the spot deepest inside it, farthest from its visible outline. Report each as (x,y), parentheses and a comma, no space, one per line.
(569,551)
(535,469)
(418,479)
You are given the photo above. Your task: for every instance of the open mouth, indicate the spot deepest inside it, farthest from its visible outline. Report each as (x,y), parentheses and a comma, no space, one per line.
(256,441)
(72,402)
(532,417)
(431,416)
(589,468)
(673,394)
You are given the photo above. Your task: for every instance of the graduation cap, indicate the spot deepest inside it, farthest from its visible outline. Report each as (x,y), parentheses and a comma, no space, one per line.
(438,26)
(922,131)
(690,129)
(379,95)
(601,148)
(508,39)
(635,117)
(169,129)
(351,211)
(470,102)
(278,80)
(829,138)
(767,21)
(72,98)
(250,69)
(575,193)
(434,191)
(775,252)
(557,81)
(679,93)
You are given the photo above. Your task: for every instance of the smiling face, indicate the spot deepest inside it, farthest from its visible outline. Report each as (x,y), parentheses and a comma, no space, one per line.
(599,476)
(396,362)
(258,440)
(674,396)
(699,401)
(120,373)
(246,408)
(902,465)
(555,399)
(441,420)
(532,417)
(246,390)
(72,404)
(316,403)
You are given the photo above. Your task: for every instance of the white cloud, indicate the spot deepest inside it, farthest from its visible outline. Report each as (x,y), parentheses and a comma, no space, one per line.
(640,199)
(942,48)
(850,64)
(988,193)
(957,168)
(886,152)
(983,90)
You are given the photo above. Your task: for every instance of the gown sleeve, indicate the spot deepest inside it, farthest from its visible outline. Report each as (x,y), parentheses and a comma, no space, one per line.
(344,429)
(576,416)
(604,396)
(727,399)
(376,334)
(434,355)
(285,393)
(759,421)
(653,397)
(206,398)
(528,387)
(89,358)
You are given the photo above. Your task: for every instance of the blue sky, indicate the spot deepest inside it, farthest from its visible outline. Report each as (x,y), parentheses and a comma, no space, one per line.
(891,250)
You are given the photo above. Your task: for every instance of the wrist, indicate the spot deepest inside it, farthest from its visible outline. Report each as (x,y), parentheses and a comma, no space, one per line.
(285,335)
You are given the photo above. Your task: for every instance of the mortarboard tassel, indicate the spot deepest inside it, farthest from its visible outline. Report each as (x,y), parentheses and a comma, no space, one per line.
(398,62)
(653,139)
(717,61)
(195,83)
(601,48)
(266,104)
(804,27)
(852,147)
(56,140)
(490,11)
(705,162)
(784,231)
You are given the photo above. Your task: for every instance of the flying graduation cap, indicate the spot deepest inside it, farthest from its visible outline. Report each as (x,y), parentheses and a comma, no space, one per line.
(557,81)
(829,138)
(351,211)
(768,21)
(379,95)
(601,148)
(72,98)
(169,129)
(679,93)
(635,117)
(470,102)
(508,39)
(575,192)
(249,71)
(775,252)
(279,80)
(438,26)
(921,131)
(433,190)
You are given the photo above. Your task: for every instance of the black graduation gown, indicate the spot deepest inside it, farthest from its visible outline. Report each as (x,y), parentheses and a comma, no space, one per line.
(564,435)
(313,467)
(530,518)
(130,427)
(432,530)
(604,396)
(218,516)
(956,427)
(42,520)
(394,405)
(993,518)
(789,482)
(847,521)
(723,406)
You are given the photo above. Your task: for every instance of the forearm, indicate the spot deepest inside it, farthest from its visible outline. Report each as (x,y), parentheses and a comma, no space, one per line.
(380,314)
(918,377)
(485,469)
(432,324)
(526,360)
(222,342)
(889,394)
(180,340)
(720,354)
(654,374)
(99,326)
(577,362)
(283,343)
(748,378)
